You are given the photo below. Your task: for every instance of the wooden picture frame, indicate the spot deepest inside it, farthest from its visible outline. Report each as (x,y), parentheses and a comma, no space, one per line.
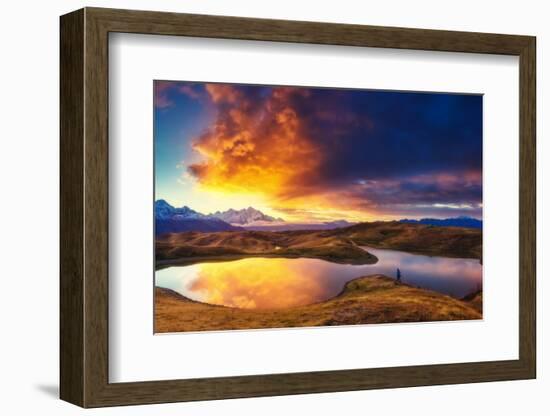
(84,207)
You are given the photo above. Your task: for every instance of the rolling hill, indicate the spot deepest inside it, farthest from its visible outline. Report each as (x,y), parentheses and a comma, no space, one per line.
(365,300)
(339,245)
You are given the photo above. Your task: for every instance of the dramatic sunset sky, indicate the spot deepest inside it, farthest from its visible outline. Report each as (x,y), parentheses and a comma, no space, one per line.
(313,154)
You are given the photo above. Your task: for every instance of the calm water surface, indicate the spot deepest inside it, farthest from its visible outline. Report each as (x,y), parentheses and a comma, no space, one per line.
(265,283)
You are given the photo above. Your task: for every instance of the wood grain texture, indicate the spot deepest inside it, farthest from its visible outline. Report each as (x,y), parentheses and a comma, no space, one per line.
(96,208)
(71,208)
(84,207)
(527,208)
(225,27)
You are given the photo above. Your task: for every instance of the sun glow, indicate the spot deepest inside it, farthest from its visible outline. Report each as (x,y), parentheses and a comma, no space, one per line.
(256,283)
(318,155)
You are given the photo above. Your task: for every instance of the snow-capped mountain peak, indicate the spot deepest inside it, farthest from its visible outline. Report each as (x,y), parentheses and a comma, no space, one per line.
(244,216)
(163,210)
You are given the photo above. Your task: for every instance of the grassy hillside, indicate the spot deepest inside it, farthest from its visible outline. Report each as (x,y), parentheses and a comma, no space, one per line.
(313,244)
(339,245)
(476,300)
(366,300)
(420,238)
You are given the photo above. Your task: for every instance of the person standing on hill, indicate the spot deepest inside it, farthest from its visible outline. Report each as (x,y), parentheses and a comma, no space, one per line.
(398,275)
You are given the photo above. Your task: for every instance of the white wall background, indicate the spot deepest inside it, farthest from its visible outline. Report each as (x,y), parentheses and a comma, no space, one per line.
(29,158)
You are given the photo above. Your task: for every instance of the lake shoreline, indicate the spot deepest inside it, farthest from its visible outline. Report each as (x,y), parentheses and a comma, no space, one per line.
(187,261)
(340,245)
(364,300)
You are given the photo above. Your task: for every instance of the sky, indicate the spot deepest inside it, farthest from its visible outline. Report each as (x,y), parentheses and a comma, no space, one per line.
(318,154)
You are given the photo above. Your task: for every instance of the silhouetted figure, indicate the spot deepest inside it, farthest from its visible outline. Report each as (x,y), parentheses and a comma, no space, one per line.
(398,275)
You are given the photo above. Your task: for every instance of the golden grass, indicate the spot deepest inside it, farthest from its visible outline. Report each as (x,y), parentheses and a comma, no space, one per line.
(475,300)
(417,238)
(338,246)
(291,244)
(366,300)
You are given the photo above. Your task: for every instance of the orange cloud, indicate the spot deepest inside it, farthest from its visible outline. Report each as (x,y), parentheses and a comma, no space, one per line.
(251,148)
(321,155)
(223,93)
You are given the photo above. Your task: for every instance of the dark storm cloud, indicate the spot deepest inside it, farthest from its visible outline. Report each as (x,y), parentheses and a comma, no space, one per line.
(375,149)
(372,135)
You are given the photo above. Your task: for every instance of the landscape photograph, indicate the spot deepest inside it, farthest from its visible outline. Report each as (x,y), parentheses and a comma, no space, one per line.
(292,206)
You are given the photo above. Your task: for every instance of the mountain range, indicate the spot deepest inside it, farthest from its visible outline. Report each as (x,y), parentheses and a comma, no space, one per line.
(466,222)
(169,219)
(174,220)
(247,216)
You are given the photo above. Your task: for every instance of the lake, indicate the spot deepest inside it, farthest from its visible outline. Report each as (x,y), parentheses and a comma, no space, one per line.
(278,283)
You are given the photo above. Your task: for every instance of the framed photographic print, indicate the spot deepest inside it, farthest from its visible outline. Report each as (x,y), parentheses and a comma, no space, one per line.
(257,207)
